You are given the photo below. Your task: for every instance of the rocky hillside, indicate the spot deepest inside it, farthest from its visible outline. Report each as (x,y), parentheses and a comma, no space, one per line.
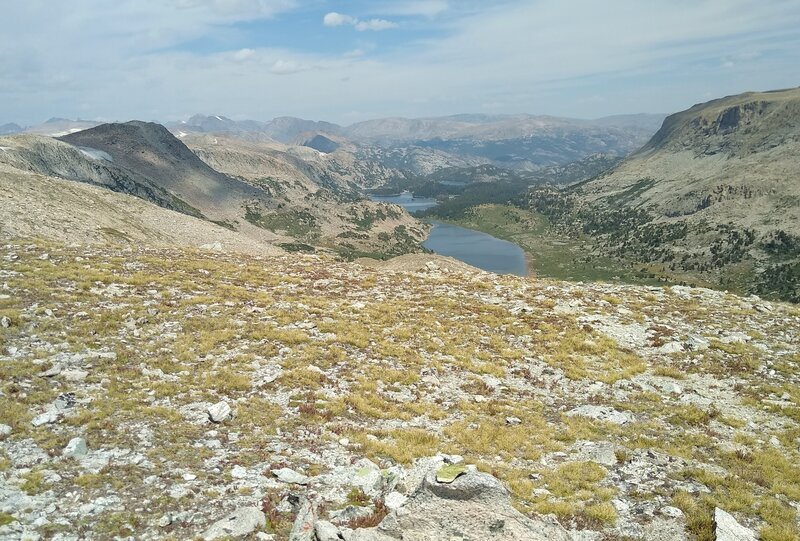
(713,195)
(309,200)
(266,195)
(35,205)
(170,394)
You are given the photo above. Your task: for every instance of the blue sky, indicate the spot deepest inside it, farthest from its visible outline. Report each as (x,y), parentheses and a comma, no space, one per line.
(350,61)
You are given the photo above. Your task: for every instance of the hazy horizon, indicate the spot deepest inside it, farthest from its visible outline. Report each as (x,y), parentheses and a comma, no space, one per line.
(345,62)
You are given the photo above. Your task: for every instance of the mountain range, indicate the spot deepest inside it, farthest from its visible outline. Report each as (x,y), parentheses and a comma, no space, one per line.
(268,196)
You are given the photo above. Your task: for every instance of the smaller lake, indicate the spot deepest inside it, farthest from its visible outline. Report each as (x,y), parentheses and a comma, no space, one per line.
(407,201)
(477,249)
(472,247)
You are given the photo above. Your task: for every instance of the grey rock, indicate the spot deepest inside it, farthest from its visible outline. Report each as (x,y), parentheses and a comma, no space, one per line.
(288,475)
(726,528)
(665,530)
(671,512)
(367,477)
(46,418)
(75,375)
(695,342)
(326,531)
(303,527)
(52,371)
(671,347)
(350,512)
(5,322)
(219,412)
(603,413)
(5,431)
(75,448)
(475,503)
(240,523)
(394,500)
(601,452)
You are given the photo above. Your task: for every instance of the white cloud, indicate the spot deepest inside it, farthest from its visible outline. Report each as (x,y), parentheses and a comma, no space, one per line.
(131,59)
(425,8)
(243,54)
(339,19)
(374,24)
(285,67)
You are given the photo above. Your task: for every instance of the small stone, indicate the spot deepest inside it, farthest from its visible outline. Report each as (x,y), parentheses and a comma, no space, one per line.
(696,342)
(75,448)
(238,472)
(219,412)
(52,371)
(75,375)
(288,475)
(671,512)
(165,521)
(5,431)
(513,420)
(671,347)
(449,473)
(46,418)
(240,523)
(603,413)
(189,477)
(326,531)
(394,500)
(344,442)
(5,322)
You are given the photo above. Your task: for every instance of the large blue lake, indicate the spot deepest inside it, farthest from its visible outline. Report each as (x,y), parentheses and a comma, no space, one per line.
(472,247)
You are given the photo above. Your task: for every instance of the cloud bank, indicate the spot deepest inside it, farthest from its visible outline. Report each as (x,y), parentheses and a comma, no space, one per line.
(149,59)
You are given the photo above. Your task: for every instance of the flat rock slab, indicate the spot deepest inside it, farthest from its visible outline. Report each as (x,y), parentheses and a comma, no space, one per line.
(474,506)
(241,522)
(727,528)
(288,475)
(603,413)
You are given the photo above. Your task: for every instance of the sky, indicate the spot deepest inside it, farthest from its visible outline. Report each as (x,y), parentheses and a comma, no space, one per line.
(347,61)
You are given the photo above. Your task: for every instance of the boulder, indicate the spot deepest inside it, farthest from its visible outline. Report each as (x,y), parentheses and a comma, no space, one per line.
(75,448)
(240,523)
(303,527)
(473,506)
(219,412)
(325,531)
(288,475)
(726,528)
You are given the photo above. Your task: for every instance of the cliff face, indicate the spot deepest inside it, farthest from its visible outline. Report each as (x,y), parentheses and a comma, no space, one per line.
(709,195)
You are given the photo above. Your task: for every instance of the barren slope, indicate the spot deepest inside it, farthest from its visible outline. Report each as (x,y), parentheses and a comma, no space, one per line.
(626,412)
(715,193)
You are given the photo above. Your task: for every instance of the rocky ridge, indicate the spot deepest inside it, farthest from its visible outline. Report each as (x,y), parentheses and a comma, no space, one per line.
(156,394)
(712,197)
(264,194)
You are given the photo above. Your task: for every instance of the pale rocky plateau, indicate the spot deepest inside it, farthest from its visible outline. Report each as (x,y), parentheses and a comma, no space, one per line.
(181,393)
